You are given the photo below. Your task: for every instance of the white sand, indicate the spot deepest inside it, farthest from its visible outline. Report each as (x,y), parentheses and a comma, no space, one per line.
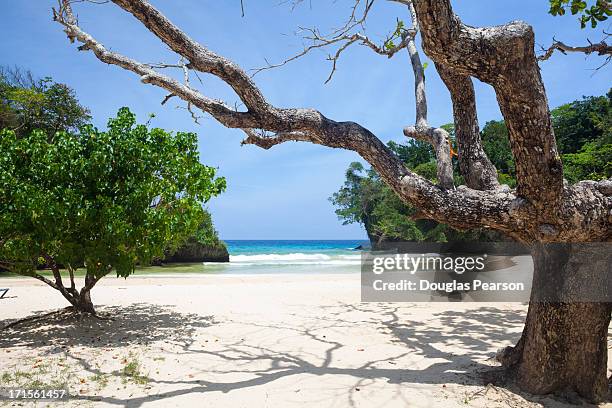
(261,341)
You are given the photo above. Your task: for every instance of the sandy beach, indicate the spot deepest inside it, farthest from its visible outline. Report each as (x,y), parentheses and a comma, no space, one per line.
(259,341)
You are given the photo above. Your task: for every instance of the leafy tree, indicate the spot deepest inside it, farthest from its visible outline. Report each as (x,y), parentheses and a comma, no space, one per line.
(102,200)
(206,233)
(27,103)
(582,121)
(413,152)
(592,162)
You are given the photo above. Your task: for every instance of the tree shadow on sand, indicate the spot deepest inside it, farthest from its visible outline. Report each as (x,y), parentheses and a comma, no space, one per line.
(139,323)
(475,332)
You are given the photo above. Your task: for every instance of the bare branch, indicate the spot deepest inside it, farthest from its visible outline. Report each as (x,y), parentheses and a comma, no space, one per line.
(10,266)
(601,48)
(45,280)
(437,137)
(187,83)
(344,37)
(265,141)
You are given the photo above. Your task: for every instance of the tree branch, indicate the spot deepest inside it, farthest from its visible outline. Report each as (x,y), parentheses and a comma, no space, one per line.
(476,168)
(345,39)
(601,48)
(460,208)
(504,57)
(8,266)
(437,137)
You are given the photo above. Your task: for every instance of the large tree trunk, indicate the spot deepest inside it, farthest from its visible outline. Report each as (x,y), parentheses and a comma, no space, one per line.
(564,344)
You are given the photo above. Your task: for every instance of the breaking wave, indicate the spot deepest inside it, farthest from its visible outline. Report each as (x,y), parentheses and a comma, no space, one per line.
(295,259)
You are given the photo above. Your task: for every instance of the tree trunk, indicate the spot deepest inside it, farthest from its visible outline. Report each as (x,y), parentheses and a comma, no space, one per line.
(83,302)
(563,347)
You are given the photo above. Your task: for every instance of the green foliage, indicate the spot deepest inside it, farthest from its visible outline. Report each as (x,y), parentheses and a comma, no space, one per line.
(428,170)
(496,145)
(27,104)
(392,218)
(588,13)
(395,35)
(582,121)
(584,136)
(413,153)
(106,200)
(355,199)
(592,162)
(206,233)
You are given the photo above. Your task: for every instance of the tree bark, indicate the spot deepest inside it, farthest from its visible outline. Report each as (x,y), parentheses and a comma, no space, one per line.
(563,347)
(504,57)
(531,214)
(83,303)
(475,166)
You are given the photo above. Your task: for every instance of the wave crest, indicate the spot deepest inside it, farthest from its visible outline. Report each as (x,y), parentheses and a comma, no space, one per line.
(297,258)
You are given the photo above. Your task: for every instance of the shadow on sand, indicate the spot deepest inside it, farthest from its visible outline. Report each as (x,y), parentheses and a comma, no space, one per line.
(475,331)
(137,324)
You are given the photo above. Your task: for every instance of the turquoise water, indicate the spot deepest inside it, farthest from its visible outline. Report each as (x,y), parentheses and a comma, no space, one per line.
(272,256)
(259,247)
(287,256)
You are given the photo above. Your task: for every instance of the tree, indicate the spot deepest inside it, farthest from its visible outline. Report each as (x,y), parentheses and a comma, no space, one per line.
(365,199)
(100,200)
(583,129)
(563,345)
(27,103)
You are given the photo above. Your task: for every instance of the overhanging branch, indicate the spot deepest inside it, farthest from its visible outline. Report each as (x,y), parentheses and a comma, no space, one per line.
(266,125)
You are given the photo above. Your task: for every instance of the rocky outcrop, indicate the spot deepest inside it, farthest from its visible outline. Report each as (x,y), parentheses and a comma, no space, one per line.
(194,251)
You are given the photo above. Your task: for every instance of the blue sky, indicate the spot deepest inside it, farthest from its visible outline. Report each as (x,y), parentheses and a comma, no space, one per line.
(281,193)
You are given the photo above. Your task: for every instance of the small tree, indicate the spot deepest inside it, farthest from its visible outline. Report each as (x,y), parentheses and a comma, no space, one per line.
(103,200)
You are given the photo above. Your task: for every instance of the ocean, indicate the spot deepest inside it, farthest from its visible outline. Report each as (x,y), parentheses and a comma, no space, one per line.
(270,257)
(289,256)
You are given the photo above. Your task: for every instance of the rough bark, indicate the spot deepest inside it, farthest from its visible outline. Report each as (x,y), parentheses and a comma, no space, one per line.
(504,57)
(476,168)
(82,302)
(564,344)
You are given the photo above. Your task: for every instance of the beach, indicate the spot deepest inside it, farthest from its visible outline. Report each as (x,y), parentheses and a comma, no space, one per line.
(266,340)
